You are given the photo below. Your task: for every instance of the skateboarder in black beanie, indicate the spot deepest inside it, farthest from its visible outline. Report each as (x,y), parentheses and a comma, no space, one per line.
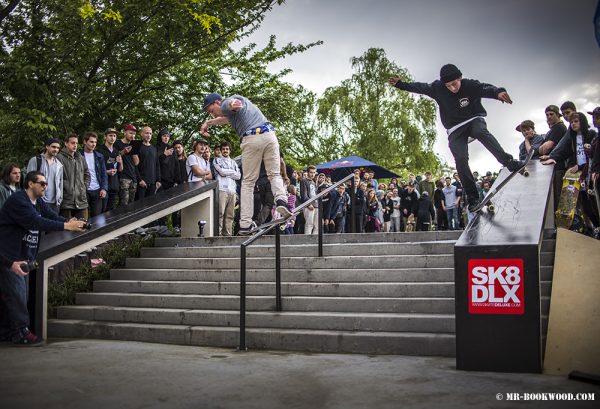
(463,117)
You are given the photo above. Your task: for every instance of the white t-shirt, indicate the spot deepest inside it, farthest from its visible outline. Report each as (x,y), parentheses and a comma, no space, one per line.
(396,212)
(581,159)
(89,158)
(195,160)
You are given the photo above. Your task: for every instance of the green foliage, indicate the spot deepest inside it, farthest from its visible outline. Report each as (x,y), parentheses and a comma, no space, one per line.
(365,116)
(78,65)
(82,280)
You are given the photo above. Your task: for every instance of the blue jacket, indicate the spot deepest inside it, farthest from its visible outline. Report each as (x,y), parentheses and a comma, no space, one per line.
(20,225)
(100,165)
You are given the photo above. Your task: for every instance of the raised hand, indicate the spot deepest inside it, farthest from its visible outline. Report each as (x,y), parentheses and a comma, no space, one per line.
(504,97)
(393,80)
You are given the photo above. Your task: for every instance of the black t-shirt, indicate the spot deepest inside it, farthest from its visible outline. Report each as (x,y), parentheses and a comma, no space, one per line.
(556,133)
(149,166)
(129,169)
(110,160)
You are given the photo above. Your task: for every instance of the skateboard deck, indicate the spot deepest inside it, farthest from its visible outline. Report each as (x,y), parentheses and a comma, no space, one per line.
(568,200)
(486,200)
(281,221)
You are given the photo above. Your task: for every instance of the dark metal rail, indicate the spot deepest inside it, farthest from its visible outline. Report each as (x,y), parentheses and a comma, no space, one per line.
(276,226)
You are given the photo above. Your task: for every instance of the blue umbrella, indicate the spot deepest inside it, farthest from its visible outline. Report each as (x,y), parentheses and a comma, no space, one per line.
(339,168)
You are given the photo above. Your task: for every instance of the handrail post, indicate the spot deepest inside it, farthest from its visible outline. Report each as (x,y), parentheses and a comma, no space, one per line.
(242,346)
(278,268)
(320,217)
(352,206)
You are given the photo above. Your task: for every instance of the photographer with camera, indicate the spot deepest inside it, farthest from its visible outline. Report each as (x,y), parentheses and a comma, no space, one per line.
(22,218)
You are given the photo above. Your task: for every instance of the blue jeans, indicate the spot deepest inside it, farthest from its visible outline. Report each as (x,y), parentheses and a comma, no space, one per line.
(453,221)
(13,309)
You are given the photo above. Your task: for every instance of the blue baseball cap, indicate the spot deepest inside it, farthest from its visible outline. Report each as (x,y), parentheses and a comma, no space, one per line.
(210,98)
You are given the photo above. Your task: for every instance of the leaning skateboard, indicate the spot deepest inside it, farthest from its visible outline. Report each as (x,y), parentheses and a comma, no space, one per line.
(486,202)
(568,200)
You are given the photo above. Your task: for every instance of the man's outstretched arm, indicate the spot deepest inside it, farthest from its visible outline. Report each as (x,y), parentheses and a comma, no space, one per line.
(416,87)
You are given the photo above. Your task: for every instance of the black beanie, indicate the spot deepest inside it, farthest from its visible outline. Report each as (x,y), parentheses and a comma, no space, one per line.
(449,72)
(164,131)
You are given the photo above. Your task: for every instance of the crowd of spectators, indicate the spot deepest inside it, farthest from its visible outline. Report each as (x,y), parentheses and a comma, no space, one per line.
(84,181)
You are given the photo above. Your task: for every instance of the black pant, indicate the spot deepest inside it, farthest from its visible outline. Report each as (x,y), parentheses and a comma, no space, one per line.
(143,192)
(359,221)
(442,219)
(423,223)
(459,146)
(94,202)
(263,203)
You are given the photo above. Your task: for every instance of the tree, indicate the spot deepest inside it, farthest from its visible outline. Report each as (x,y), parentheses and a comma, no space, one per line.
(365,116)
(78,65)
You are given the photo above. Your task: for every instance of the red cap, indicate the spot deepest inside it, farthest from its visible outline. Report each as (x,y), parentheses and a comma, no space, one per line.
(129,127)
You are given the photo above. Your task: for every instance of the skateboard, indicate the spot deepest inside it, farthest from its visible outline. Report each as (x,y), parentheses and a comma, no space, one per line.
(486,200)
(568,200)
(410,223)
(281,221)
(595,193)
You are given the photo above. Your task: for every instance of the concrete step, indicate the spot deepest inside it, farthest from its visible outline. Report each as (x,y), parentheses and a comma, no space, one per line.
(312,289)
(388,322)
(306,239)
(303,250)
(437,289)
(350,262)
(362,342)
(295,275)
(426,305)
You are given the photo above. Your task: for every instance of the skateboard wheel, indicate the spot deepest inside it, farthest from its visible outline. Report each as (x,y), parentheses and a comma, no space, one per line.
(525,172)
(491,208)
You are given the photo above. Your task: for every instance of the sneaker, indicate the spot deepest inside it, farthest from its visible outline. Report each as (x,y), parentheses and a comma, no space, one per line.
(28,338)
(282,208)
(246,231)
(515,165)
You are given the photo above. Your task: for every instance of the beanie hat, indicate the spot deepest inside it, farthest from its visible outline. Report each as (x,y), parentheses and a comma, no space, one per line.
(164,131)
(449,72)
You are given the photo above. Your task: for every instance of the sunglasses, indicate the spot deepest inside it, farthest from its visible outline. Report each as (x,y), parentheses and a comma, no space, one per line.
(43,184)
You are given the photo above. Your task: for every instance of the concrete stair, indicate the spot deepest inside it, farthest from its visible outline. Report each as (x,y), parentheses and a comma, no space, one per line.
(388,293)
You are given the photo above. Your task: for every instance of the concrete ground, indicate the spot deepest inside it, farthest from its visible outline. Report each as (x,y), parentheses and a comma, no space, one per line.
(115,374)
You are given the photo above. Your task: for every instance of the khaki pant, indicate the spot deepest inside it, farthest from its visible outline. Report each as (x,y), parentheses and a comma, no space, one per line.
(257,149)
(312,221)
(226,212)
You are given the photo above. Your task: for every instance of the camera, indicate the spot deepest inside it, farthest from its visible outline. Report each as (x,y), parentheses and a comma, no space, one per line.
(29,266)
(86,225)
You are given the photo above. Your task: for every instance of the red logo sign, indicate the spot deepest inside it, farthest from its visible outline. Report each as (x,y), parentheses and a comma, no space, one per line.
(496,286)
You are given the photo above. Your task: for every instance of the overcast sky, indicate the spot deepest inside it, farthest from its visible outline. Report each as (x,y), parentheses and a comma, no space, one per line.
(542,51)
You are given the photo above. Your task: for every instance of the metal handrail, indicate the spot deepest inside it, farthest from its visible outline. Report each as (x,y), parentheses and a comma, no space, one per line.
(260,233)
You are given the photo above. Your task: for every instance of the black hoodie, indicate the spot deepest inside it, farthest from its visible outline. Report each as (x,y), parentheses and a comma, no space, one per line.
(459,107)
